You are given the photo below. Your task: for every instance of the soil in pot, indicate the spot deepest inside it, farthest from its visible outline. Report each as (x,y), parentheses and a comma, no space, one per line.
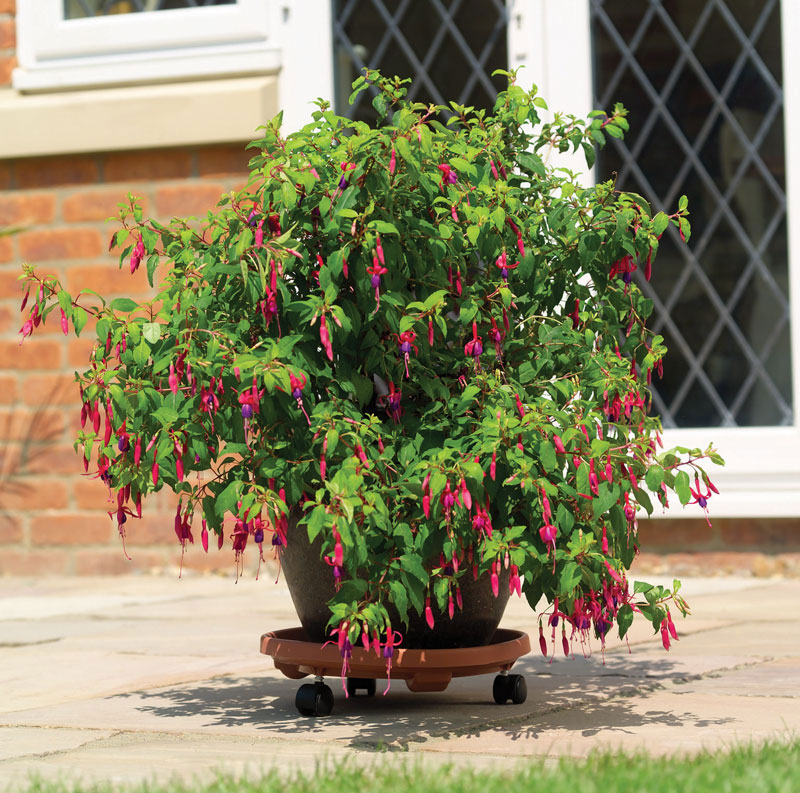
(311,586)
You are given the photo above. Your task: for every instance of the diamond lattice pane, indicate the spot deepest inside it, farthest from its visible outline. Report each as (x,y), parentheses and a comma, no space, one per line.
(701,80)
(448,48)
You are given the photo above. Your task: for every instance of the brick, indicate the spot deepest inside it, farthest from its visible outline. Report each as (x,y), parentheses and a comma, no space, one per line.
(224,161)
(50,389)
(188,199)
(80,243)
(7,65)
(148,165)
(26,209)
(8,34)
(107,279)
(6,249)
(5,170)
(71,529)
(78,351)
(91,494)
(34,494)
(10,529)
(35,353)
(8,389)
(9,461)
(11,285)
(50,458)
(56,171)
(93,205)
(10,323)
(38,563)
(8,6)
(676,534)
(114,562)
(156,527)
(31,425)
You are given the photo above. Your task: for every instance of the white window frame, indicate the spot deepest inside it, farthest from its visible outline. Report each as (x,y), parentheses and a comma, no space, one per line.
(144,47)
(761,477)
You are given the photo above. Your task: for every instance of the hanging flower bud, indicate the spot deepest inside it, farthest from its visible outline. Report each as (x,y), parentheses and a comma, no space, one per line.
(428,613)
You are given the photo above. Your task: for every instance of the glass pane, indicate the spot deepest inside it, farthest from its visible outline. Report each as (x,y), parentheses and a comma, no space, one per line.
(79,9)
(448,47)
(702,82)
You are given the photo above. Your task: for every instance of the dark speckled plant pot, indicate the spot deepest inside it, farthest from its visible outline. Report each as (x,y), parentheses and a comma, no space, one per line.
(310,582)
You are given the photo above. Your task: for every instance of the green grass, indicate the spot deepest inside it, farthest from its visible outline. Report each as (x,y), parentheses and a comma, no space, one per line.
(773,767)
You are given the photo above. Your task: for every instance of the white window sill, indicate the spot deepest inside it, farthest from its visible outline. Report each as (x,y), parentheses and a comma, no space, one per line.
(138,117)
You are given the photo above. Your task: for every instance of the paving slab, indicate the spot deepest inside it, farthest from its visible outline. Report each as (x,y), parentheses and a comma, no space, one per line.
(658,722)
(133,678)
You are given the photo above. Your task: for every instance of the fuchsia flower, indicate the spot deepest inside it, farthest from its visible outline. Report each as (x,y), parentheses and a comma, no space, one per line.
(482,522)
(393,403)
(269,305)
(137,255)
(249,402)
(449,175)
(624,267)
(504,266)
(297,387)
(474,347)
(497,337)
(345,166)
(209,403)
(701,498)
(376,271)
(405,343)
(574,315)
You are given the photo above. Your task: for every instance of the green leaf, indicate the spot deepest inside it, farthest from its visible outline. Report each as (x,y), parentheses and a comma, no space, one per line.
(78,319)
(624,619)
(547,454)
(682,487)
(151,331)
(166,415)
(124,304)
(141,353)
(399,597)
(64,300)
(654,477)
(382,227)
(570,577)
(660,223)
(226,500)
(413,566)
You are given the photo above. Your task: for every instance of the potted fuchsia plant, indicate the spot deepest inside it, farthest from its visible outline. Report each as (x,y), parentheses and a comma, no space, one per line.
(415,354)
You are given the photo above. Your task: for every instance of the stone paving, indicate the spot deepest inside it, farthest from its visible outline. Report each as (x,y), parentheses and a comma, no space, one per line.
(128,679)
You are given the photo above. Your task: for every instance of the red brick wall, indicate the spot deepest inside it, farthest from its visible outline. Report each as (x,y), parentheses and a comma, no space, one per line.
(8,41)
(53,519)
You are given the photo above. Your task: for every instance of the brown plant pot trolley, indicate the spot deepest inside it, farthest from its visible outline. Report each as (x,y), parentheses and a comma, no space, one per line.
(423,670)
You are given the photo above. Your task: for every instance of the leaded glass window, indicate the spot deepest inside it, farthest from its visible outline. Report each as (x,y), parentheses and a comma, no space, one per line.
(702,81)
(448,47)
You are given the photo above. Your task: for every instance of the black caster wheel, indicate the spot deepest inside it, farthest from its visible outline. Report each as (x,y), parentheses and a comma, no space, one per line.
(355,684)
(314,699)
(511,687)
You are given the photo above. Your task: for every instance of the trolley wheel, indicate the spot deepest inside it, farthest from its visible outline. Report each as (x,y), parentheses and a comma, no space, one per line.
(355,684)
(314,699)
(511,687)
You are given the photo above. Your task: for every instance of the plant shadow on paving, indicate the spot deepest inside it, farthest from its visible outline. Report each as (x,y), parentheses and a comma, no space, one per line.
(602,694)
